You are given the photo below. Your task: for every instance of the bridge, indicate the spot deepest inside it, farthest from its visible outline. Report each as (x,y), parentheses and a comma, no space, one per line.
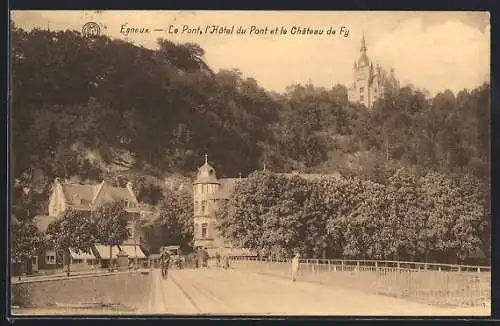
(324,287)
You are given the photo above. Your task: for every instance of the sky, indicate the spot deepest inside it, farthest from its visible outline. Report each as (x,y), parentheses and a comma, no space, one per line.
(431,50)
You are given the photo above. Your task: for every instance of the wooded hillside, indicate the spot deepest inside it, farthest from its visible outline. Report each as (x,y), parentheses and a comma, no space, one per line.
(93,109)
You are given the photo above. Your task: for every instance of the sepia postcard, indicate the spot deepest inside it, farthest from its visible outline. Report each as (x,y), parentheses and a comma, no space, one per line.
(255,163)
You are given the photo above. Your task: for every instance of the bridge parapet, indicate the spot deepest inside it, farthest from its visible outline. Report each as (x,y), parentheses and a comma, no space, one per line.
(438,284)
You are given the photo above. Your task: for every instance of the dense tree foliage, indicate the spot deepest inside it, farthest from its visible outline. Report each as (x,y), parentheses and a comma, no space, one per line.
(165,108)
(110,220)
(26,242)
(430,218)
(176,219)
(73,229)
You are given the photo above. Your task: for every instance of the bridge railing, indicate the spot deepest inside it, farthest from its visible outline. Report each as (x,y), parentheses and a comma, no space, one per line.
(439,284)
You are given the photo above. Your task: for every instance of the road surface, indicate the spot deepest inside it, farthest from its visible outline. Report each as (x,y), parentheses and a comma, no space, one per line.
(236,292)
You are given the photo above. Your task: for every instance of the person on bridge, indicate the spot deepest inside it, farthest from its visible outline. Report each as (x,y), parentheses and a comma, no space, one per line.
(165,262)
(295,266)
(217,257)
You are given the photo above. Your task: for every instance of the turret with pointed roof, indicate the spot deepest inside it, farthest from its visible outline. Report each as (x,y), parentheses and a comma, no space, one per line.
(206,174)
(368,82)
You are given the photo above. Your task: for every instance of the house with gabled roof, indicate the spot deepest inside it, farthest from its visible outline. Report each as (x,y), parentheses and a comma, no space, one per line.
(86,198)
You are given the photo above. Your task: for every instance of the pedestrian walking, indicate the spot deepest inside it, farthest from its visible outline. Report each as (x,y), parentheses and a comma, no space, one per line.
(165,262)
(295,266)
(217,257)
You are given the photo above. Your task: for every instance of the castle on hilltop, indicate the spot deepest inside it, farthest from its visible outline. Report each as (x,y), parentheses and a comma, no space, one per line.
(369,82)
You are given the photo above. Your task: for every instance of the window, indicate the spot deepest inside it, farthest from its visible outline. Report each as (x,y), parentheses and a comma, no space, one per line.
(50,257)
(361,90)
(361,98)
(130,229)
(203,206)
(375,90)
(204,228)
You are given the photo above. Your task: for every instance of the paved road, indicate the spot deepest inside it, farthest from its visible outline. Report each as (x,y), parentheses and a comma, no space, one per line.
(221,292)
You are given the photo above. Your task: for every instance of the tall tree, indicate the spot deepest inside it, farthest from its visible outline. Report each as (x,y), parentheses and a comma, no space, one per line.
(72,230)
(176,219)
(26,241)
(111,225)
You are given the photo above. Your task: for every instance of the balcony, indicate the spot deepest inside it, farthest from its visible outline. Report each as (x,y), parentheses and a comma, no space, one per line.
(205,238)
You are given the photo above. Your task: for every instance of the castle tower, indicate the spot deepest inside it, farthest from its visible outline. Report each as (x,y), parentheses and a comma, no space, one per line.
(367,84)
(205,188)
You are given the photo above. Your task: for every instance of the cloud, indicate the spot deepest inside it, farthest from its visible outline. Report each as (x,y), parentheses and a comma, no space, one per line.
(431,50)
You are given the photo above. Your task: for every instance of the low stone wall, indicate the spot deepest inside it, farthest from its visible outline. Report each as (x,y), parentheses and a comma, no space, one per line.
(129,289)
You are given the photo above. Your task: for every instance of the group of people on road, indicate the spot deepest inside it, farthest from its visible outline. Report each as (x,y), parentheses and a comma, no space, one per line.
(222,261)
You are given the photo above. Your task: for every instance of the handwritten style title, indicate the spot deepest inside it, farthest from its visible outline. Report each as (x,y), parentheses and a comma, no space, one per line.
(237,30)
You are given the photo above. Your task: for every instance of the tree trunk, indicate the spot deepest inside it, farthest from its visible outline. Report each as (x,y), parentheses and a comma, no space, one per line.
(68,261)
(21,267)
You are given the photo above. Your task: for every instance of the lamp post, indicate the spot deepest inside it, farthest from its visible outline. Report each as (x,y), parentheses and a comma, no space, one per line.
(135,241)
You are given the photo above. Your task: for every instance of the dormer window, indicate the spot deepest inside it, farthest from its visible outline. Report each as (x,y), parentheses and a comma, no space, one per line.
(129,204)
(211,172)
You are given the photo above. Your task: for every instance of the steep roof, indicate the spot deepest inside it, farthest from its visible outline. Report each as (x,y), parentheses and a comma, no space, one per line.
(312,176)
(109,193)
(42,222)
(206,174)
(76,192)
(226,186)
(82,196)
